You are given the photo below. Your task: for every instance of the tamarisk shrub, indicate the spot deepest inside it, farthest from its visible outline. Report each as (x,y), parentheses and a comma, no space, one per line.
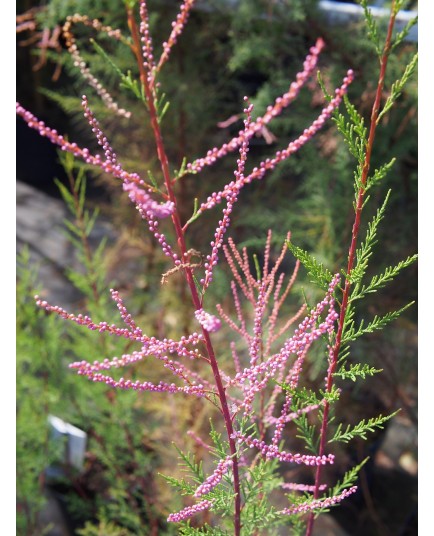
(259,394)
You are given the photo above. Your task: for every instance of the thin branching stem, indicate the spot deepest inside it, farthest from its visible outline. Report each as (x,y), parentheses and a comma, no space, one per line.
(197,302)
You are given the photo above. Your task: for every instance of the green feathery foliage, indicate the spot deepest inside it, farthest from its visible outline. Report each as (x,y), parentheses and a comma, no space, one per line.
(308,433)
(349,478)
(378,323)
(318,273)
(353,130)
(356,371)
(371,28)
(380,280)
(360,429)
(191,468)
(364,251)
(398,86)
(400,36)
(187,530)
(39,371)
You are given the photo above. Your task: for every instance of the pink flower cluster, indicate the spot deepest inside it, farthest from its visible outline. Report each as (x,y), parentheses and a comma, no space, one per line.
(257,376)
(264,364)
(189,511)
(177,27)
(212,481)
(147,206)
(318,503)
(272,452)
(81,64)
(186,347)
(231,199)
(207,321)
(272,111)
(270,163)
(132,182)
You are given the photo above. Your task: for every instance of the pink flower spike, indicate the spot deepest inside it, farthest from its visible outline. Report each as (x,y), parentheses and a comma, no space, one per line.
(272,111)
(161,387)
(84,320)
(308,133)
(125,315)
(81,64)
(145,204)
(257,341)
(102,140)
(207,321)
(177,27)
(189,511)
(231,199)
(271,451)
(318,503)
(213,480)
(292,486)
(85,368)
(84,154)
(147,49)
(294,146)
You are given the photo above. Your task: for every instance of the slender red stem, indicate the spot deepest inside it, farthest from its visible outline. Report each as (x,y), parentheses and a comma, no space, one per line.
(352,254)
(187,271)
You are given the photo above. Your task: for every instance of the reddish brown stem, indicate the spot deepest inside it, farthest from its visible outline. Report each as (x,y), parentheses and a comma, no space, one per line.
(187,271)
(352,255)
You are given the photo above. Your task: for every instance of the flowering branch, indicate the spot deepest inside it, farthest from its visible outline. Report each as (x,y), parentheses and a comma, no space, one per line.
(257,399)
(270,163)
(177,27)
(272,111)
(81,64)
